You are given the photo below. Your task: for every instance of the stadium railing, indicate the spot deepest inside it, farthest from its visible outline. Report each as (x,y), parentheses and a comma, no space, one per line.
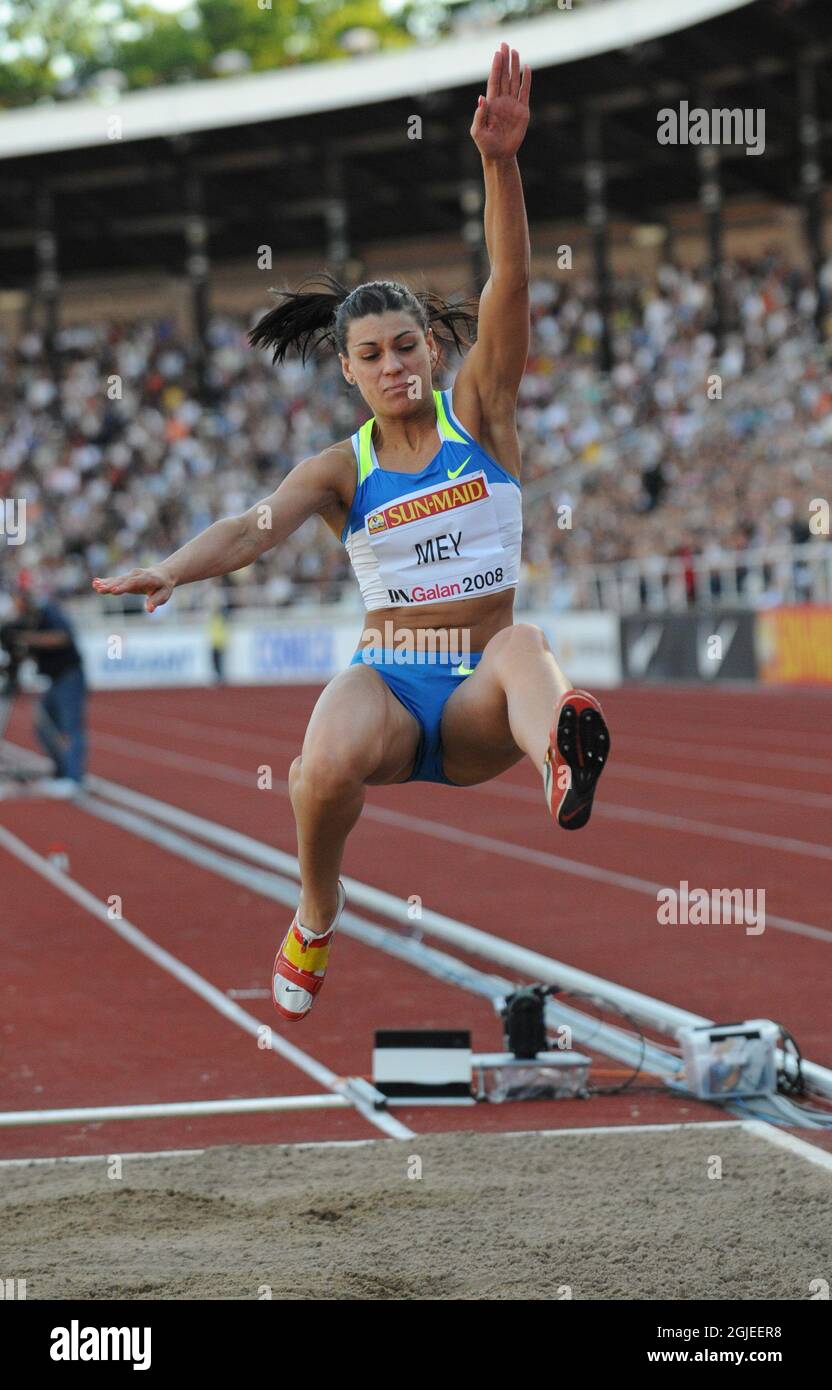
(751,579)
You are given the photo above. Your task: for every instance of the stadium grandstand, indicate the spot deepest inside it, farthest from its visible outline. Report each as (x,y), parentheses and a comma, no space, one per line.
(546,1065)
(133,247)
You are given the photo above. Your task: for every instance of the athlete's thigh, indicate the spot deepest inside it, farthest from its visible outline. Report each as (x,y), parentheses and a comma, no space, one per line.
(477,742)
(358,722)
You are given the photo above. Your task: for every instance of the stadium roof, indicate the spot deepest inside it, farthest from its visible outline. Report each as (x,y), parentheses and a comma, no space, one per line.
(565,37)
(270,176)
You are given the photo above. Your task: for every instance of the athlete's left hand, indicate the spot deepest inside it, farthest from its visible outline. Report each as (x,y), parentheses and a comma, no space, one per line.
(502,115)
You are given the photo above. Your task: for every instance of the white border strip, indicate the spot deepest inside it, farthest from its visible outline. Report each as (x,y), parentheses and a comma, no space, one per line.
(360,1143)
(782,1140)
(777,1137)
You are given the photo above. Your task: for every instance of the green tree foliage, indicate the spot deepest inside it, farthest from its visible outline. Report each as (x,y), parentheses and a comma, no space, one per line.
(53,49)
(58,49)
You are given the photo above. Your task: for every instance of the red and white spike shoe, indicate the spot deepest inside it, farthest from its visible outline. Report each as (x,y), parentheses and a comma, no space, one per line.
(579,746)
(300,966)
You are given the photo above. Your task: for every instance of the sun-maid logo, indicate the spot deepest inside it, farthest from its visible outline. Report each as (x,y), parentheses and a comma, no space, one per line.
(444,499)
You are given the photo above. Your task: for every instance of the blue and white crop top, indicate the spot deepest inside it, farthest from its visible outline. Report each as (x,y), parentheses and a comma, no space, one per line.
(451,531)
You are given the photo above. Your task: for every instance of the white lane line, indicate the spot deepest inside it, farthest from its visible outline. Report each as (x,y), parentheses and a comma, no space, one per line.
(204,733)
(449,969)
(638,815)
(610,810)
(188,977)
(516,791)
(782,1140)
(200,767)
(441,830)
(654,1012)
(708,734)
(626,771)
(759,791)
(725,753)
(635,740)
(546,860)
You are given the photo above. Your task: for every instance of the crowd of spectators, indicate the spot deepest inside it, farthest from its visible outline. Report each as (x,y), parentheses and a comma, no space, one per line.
(682,449)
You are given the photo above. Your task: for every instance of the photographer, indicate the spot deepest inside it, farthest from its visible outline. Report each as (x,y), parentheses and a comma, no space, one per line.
(42,632)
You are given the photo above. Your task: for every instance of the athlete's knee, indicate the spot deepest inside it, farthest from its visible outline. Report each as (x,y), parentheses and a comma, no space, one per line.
(514,642)
(326,774)
(294,774)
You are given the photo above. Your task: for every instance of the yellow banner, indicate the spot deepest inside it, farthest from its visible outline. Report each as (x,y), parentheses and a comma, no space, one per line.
(794,645)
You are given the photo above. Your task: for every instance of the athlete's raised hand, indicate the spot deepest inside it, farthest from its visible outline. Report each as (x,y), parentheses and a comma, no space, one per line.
(156,583)
(502,115)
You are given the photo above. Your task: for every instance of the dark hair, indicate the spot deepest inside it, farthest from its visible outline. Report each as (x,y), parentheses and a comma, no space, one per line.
(306,319)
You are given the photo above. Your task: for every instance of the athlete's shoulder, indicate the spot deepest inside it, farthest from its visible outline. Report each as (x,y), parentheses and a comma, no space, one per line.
(494,428)
(334,466)
(335,462)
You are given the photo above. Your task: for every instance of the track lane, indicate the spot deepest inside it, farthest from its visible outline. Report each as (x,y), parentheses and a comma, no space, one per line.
(598,927)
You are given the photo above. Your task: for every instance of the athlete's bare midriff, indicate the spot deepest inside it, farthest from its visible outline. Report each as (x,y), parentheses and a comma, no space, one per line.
(475,621)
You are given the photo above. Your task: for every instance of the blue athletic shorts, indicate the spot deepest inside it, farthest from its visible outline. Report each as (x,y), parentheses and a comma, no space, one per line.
(422,687)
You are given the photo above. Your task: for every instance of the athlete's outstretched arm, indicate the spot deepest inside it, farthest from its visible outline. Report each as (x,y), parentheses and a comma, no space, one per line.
(236,541)
(497,360)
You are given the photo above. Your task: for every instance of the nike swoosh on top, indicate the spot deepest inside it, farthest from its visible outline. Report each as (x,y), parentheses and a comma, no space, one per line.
(454,473)
(464,671)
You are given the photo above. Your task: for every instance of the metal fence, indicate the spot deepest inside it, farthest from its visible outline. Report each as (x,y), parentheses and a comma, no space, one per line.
(749,579)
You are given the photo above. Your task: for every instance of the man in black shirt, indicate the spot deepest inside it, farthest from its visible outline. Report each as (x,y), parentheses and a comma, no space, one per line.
(43,632)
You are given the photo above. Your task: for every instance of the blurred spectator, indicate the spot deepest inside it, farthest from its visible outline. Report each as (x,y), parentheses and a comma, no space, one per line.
(681,450)
(42,632)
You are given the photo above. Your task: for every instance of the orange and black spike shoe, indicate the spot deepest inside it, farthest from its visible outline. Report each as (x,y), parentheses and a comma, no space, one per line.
(579,746)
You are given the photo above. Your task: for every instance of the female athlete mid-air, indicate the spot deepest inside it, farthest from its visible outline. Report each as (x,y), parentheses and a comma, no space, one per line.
(425,497)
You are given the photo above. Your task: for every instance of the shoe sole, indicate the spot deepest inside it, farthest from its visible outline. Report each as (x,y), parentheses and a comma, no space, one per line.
(286,1013)
(583,742)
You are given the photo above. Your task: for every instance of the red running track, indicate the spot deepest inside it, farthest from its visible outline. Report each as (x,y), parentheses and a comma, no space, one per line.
(721,788)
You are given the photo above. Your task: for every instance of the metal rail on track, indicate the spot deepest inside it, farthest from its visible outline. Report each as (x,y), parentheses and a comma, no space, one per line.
(607,1038)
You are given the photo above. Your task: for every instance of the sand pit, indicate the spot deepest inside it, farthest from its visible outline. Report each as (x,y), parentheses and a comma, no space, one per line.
(607,1216)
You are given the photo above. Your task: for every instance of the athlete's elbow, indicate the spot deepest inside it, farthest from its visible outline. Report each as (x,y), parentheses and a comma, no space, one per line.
(253,533)
(511,277)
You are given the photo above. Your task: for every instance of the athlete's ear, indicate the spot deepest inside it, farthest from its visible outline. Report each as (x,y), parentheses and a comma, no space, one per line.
(348,377)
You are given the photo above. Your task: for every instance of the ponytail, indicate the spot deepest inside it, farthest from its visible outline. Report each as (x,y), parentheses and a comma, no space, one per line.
(302,321)
(307,319)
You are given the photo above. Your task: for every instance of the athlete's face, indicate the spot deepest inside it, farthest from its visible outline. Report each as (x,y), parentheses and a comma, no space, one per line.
(390,360)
